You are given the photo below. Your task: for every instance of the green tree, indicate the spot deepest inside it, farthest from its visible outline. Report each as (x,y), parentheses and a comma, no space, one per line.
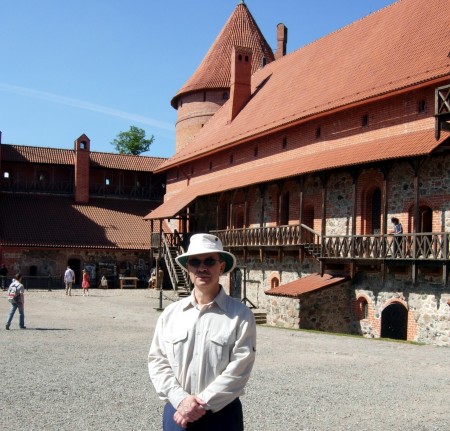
(132,142)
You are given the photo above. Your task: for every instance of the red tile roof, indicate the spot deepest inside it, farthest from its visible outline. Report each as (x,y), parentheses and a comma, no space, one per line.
(24,153)
(305,285)
(214,71)
(55,221)
(401,46)
(21,153)
(313,158)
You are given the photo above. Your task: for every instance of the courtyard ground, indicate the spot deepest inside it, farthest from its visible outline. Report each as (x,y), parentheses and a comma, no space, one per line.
(81,365)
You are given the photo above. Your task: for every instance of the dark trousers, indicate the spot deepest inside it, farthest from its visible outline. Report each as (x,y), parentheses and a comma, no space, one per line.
(230,418)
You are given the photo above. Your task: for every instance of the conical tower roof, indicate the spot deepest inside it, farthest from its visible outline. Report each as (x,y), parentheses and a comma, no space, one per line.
(215,70)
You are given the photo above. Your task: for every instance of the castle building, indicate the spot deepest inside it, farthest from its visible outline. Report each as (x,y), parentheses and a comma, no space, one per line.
(79,208)
(298,162)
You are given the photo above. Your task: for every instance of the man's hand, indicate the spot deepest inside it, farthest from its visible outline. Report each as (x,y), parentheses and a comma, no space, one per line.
(189,410)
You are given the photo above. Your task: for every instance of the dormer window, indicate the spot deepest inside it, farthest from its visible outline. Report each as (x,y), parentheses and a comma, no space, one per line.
(365,120)
(82,145)
(422,106)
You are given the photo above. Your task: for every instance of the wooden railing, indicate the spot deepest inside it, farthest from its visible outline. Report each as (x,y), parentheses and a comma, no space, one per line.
(429,246)
(409,246)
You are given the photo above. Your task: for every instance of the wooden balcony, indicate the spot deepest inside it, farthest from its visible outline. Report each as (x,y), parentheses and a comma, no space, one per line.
(411,246)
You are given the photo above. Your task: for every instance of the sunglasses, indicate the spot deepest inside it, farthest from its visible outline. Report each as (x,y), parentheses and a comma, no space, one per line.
(209,262)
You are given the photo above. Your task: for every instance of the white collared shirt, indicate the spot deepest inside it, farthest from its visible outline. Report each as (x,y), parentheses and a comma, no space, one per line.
(208,352)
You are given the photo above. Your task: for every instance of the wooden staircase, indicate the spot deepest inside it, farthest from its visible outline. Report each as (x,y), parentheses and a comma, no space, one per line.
(260,316)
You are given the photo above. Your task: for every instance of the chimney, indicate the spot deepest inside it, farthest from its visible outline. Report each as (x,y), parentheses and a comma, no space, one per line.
(241,74)
(282,41)
(82,152)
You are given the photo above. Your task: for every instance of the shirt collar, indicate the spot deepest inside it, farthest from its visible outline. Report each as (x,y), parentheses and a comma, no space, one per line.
(220,300)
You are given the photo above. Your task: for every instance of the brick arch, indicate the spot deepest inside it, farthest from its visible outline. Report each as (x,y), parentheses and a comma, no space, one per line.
(368,186)
(358,306)
(274,279)
(423,203)
(309,213)
(412,326)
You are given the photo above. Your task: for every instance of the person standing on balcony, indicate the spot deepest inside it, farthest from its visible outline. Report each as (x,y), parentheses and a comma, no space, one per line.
(396,231)
(204,346)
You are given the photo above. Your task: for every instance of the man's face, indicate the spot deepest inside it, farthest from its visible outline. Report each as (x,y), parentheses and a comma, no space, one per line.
(205,269)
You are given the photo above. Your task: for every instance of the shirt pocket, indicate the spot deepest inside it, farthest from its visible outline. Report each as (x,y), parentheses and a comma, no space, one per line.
(220,346)
(175,346)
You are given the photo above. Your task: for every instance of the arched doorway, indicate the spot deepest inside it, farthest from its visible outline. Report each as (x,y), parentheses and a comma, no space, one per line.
(425,219)
(75,264)
(394,322)
(376,211)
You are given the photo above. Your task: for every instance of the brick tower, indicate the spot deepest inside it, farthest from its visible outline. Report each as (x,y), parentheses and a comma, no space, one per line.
(209,87)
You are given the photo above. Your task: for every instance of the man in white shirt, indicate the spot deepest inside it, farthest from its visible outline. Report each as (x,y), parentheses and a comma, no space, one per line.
(204,346)
(69,279)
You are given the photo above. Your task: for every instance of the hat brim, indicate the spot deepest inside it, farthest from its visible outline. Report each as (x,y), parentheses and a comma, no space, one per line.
(228,258)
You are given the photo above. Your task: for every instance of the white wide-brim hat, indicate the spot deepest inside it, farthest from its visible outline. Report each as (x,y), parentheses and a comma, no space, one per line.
(202,243)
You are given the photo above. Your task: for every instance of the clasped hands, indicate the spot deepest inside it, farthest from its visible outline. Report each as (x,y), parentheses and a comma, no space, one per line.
(189,410)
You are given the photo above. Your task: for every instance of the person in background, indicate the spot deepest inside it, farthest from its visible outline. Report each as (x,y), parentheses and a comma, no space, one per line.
(86,283)
(3,274)
(16,293)
(204,346)
(104,282)
(69,279)
(397,231)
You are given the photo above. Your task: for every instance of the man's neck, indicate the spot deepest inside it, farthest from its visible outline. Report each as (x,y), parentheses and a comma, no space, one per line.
(204,297)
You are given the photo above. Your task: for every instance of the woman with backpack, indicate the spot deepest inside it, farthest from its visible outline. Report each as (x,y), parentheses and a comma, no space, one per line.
(16,298)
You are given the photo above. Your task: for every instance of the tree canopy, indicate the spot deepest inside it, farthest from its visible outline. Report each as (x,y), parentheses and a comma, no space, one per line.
(132,141)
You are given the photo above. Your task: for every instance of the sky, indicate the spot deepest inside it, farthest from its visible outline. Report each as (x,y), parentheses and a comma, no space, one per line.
(97,67)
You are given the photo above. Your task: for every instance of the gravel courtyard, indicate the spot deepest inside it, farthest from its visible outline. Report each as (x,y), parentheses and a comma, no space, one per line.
(81,365)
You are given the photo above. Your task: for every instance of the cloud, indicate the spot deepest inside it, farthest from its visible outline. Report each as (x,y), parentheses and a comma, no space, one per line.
(81,104)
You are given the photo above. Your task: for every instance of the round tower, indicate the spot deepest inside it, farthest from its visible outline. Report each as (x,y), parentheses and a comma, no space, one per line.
(209,87)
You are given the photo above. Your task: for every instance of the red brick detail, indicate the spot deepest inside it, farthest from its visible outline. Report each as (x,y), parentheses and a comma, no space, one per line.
(82,152)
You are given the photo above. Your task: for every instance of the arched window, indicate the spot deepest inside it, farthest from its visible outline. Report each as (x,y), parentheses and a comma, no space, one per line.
(275,282)
(361,309)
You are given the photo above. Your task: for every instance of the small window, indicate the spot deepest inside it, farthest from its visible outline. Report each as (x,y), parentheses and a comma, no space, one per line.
(275,282)
(285,142)
(422,106)
(318,133)
(6,174)
(246,58)
(362,309)
(107,182)
(240,57)
(82,145)
(365,121)
(255,152)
